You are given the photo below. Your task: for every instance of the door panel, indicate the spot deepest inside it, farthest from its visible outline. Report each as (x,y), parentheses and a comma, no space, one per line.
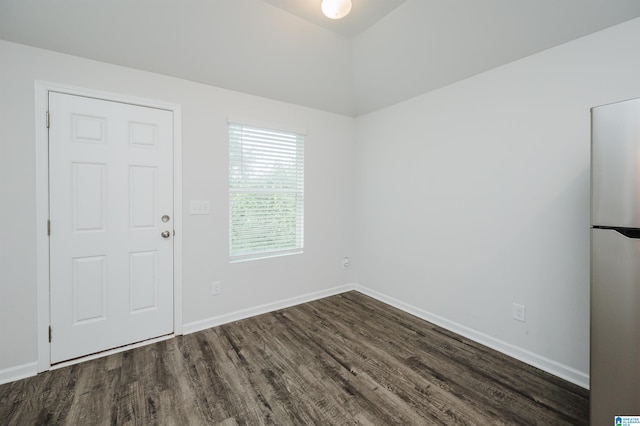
(143,187)
(89,199)
(88,282)
(143,277)
(111,180)
(615,167)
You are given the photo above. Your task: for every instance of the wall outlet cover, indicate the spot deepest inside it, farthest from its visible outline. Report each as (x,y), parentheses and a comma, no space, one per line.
(519,312)
(345,263)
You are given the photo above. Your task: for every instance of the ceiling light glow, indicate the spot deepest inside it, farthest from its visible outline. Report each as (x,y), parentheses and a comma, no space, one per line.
(336,9)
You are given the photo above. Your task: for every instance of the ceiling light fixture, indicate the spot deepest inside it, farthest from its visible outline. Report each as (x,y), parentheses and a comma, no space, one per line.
(336,9)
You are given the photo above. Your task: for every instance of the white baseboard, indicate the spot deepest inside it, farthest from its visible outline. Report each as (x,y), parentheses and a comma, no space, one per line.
(557,369)
(18,372)
(192,327)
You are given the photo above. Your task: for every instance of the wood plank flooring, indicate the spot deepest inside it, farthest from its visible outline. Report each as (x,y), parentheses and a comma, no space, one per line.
(343,360)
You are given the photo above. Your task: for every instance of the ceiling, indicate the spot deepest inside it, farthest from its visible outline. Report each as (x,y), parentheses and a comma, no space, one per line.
(384,52)
(364,13)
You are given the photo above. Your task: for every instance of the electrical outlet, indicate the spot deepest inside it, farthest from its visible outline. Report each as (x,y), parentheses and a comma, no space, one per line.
(216,288)
(345,263)
(519,312)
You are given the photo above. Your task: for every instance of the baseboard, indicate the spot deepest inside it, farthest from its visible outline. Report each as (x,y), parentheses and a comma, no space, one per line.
(195,326)
(557,369)
(18,372)
(552,367)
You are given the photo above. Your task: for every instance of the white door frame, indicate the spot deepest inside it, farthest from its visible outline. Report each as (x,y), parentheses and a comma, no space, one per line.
(42,89)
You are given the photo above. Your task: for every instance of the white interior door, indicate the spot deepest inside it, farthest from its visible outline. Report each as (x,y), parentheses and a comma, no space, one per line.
(111,212)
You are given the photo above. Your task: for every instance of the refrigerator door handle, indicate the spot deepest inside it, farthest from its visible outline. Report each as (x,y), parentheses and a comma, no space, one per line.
(630,233)
(627,232)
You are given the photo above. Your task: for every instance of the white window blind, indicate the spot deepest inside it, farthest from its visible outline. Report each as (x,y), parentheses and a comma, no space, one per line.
(266,192)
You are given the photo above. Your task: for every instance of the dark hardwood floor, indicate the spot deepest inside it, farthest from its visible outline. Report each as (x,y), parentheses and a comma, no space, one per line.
(346,359)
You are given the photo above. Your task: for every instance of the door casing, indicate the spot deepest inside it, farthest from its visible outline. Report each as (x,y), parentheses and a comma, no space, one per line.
(42,89)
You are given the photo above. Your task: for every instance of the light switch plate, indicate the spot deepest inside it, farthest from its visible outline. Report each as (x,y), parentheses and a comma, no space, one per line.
(199,207)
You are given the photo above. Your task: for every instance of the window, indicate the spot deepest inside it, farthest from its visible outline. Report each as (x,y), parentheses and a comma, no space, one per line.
(266,192)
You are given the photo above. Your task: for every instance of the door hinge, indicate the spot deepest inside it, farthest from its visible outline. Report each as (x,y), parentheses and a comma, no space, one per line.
(48,119)
(49,227)
(49,334)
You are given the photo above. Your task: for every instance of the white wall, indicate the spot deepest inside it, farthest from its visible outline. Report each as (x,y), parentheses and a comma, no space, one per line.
(468,198)
(476,196)
(329,158)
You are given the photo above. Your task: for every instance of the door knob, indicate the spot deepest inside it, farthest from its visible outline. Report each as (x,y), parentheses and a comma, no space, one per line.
(165,234)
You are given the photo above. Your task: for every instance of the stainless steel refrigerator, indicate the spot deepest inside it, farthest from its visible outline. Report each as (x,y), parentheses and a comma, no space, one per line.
(615,261)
